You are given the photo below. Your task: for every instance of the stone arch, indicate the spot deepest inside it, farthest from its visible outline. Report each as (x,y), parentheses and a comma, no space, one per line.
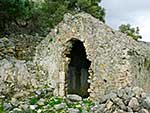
(77,68)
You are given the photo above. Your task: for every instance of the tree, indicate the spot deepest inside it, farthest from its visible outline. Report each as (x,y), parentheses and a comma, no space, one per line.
(10,10)
(55,9)
(130,31)
(90,6)
(40,17)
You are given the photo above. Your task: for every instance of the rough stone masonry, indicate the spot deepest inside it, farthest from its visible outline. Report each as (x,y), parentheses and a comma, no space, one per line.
(83,56)
(115,60)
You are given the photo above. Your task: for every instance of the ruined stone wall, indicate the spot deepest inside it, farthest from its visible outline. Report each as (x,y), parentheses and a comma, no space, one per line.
(18,74)
(116,60)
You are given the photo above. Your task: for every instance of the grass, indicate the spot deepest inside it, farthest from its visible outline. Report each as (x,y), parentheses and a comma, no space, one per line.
(1,107)
(49,105)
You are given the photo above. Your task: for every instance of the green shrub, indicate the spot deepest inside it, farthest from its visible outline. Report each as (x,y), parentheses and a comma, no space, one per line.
(41,17)
(10,10)
(130,31)
(54,100)
(1,107)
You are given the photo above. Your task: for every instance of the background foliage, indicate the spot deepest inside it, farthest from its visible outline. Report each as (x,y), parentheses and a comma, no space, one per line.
(10,10)
(40,17)
(130,31)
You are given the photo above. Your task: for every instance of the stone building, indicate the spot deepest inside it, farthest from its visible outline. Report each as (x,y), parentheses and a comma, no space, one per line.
(84,56)
(81,55)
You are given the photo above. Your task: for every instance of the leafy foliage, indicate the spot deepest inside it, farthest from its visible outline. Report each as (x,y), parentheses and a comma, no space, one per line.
(90,6)
(1,107)
(49,14)
(33,100)
(40,17)
(51,102)
(54,100)
(130,31)
(10,10)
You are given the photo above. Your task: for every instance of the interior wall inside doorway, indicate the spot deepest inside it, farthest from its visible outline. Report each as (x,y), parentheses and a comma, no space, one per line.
(78,70)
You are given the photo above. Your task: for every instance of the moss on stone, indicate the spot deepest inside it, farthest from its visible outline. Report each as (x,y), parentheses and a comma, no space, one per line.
(147,63)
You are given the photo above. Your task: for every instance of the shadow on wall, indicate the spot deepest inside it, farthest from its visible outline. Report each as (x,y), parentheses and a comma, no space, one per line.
(77,73)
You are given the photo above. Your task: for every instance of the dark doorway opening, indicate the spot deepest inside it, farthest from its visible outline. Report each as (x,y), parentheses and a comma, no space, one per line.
(78,69)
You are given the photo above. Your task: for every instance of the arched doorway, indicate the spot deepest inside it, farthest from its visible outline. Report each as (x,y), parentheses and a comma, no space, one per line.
(77,73)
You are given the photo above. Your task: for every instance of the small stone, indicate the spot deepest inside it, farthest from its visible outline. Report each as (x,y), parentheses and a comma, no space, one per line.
(84,111)
(21,94)
(60,106)
(108,97)
(39,111)
(129,109)
(78,106)
(100,108)
(16,110)
(127,90)
(7,106)
(14,102)
(94,108)
(128,93)
(72,110)
(38,92)
(146,103)
(120,93)
(143,95)
(41,102)
(118,111)
(119,103)
(74,97)
(126,99)
(143,111)
(137,91)
(109,104)
(2,97)
(134,104)
(33,107)
(24,106)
